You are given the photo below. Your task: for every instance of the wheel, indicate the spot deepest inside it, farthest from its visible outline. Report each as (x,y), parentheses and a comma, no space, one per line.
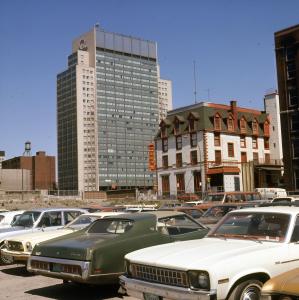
(247,290)
(4,260)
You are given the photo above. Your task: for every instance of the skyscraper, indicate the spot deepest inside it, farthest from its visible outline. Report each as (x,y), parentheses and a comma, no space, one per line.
(287,61)
(107,112)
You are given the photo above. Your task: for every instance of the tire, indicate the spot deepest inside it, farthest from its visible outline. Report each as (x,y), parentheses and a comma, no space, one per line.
(5,261)
(247,290)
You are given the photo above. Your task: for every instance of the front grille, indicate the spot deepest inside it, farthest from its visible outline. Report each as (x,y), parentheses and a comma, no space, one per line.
(160,275)
(36,264)
(15,246)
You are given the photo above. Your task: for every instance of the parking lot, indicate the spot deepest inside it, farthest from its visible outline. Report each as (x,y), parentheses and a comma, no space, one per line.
(16,283)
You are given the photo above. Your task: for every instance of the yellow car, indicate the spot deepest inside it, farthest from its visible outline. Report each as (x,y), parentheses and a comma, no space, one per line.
(282,287)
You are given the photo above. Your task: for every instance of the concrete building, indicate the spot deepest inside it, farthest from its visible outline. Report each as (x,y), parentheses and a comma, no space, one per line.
(213,147)
(165,96)
(107,112)
(15,180)
(2,157)
(287,63)
(41,168)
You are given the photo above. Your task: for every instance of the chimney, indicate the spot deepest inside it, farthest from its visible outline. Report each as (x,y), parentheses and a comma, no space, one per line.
(233,108)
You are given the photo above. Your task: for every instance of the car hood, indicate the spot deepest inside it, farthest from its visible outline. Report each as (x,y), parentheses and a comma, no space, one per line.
(40,236)
(78,247)
(205,253)
(286,283)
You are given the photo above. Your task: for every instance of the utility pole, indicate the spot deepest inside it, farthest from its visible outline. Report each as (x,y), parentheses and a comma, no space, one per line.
(194,75)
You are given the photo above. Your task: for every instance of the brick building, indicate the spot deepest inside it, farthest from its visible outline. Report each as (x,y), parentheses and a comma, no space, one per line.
(287,63)
(42,169)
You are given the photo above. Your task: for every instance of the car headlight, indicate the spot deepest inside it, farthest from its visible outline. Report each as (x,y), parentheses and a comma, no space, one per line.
(199,280)
(29,247)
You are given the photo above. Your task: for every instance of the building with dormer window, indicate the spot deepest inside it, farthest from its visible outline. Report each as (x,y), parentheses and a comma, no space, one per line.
(214,147)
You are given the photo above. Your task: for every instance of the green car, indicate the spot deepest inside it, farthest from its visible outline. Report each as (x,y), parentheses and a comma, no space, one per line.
(95,254)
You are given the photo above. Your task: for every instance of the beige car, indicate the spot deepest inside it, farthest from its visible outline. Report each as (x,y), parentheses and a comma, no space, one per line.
(282,287)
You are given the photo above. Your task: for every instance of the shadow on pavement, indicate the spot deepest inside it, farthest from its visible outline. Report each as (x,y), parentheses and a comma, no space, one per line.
(17,271)
(73,291)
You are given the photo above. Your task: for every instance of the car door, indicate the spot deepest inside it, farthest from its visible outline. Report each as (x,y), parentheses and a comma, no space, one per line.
(290,259)
(51,220)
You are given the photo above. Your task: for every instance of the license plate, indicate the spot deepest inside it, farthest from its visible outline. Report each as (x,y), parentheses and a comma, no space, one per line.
(57,268)
(148,296)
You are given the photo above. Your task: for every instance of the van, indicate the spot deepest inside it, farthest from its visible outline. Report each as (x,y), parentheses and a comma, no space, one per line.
(270,193)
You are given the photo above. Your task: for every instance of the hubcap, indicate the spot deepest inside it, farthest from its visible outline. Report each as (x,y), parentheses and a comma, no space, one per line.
(251,292)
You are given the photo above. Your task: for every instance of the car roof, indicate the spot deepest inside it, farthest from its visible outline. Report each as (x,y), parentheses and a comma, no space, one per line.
(103,213)
(55,209)
(148,214)
(271,209)
(13,212)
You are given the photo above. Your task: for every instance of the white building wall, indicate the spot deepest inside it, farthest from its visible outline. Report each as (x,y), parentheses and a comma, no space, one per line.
(187,169)
(86,129)
(273,109)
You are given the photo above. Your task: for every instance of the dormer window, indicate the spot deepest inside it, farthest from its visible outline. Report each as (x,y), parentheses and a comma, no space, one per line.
(191,125)
(243,125)
(217,122)
(266,128)
(163,132)
(255,127)
(230,123)
(176,126)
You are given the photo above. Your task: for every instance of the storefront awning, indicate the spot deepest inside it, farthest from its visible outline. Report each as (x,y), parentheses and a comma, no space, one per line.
(223,170)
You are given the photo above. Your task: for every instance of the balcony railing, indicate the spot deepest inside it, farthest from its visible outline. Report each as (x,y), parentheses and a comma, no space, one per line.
(273,162)
(222,163)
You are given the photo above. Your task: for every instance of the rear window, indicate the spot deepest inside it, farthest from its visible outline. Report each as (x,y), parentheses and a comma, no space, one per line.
(110,226)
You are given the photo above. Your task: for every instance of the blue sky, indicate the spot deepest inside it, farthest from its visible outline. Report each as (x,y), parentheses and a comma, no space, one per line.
(232,43)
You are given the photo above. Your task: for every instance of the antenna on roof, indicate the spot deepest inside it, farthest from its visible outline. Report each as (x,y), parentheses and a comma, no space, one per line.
(194,75)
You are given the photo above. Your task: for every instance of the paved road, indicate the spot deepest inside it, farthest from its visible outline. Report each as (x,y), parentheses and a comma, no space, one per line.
(16,283)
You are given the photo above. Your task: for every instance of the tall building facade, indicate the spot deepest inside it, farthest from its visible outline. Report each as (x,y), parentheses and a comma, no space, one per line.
(107,112)
(214,147)
(2,157)
(287,62)
(165,96)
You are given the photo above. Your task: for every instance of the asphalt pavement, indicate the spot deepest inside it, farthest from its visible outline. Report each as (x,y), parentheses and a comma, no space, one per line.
(16,283)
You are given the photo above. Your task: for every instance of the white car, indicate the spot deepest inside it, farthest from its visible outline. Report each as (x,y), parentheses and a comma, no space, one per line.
(244,250)
(44,219)
(18,248)
(7,218)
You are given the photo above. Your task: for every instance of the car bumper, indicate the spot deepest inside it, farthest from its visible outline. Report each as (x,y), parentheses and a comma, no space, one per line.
(84,277)
(16,256)
(138,289)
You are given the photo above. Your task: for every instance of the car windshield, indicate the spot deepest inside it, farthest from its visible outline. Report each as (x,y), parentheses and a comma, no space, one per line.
(213,197)
(253,225)
(27,219)
(81,221)
(218,211)
(111,226)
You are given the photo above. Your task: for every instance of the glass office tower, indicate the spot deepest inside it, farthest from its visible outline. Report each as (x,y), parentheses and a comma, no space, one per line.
(116,113)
